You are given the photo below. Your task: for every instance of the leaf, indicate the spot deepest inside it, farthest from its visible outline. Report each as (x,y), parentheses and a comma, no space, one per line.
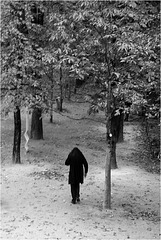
(116,73)
(132,4)
(117,112)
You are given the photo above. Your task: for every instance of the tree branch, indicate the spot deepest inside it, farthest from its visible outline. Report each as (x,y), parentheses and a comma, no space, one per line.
(79,119)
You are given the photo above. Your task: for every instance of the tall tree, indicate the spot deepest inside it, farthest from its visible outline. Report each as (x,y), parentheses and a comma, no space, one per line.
(36,124)
(116,43)
(116,40)
(18,63)
(14,48)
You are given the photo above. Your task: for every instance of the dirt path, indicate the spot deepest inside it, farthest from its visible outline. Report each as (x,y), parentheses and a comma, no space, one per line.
(36,197)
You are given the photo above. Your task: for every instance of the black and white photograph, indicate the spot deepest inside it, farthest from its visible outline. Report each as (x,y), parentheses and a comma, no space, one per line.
(80,120)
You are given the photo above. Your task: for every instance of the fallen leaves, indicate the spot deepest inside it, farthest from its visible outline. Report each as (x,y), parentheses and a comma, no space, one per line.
(134,214)
(47,174)
(43,209)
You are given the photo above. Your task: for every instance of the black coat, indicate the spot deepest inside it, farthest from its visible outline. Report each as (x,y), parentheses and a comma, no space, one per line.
(76,161)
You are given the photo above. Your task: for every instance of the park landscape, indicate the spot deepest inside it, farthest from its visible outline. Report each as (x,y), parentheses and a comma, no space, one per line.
(36,200)
(80,74)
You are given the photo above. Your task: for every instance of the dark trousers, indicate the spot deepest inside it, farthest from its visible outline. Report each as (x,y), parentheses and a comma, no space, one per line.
(75,191)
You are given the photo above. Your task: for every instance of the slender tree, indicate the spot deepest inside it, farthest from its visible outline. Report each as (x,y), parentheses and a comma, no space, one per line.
(111,41)
(36,124)
(18,64)
(119,32)
(17,136)
(14,47)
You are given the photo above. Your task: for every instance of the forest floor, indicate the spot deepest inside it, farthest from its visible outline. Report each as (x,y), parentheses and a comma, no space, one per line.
(35,195)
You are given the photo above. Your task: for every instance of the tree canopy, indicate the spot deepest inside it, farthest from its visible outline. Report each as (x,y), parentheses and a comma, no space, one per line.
(104,40)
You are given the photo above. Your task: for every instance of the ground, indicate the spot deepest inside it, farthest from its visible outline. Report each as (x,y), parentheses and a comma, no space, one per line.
(36,200)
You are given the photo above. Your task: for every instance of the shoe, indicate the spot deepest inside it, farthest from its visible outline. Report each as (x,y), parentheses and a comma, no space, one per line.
(78,199)
(73,201)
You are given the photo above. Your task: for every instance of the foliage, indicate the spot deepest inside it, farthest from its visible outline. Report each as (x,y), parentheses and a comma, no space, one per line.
(105,40)
(21,60)
(121,38)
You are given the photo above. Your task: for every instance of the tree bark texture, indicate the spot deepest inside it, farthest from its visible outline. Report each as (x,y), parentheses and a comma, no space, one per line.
(112,141)
(36,124)
(51,107)
(108,127)
(59,103)
(107,199)
(115,124)
(61,91)
(17,136)
(120,137)
(51,96)
(113,154)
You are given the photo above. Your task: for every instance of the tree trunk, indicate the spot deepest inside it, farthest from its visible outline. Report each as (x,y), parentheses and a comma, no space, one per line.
(110,160)
(51,108)
(51,117)
(116,119)
(59,102)
(36,124)
(17,136)
(120,137)
(51,97)
(60,106)
(108,123)
(107,199)
(110,101)
(113,154)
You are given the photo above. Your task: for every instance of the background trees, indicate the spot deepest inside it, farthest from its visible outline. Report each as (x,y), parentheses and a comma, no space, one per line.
(119,45)
(112,45)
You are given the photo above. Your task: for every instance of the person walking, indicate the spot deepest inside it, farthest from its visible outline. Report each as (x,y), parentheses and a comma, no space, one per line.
(77,162)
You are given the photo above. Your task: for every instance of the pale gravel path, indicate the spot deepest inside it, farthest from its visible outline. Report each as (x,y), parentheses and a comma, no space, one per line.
(39,208)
